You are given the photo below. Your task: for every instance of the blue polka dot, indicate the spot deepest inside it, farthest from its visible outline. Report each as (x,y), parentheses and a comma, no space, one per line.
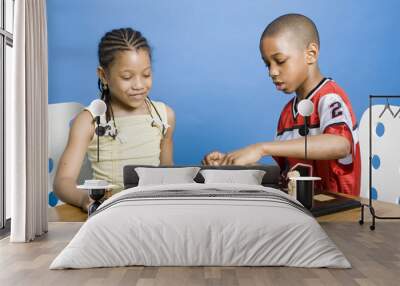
(376,162)
(374,193)
(71,122)
(53,200)
(51,165)
(380,129)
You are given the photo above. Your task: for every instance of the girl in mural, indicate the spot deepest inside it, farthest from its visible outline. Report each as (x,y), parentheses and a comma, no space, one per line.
(139,130)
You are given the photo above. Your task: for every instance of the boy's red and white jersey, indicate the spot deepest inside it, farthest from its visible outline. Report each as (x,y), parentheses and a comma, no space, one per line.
(332,114)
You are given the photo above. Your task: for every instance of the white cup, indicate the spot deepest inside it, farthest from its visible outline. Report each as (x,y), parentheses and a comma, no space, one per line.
(96,183)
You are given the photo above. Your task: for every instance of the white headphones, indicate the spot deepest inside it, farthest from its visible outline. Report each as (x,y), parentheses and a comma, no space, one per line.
(98,109)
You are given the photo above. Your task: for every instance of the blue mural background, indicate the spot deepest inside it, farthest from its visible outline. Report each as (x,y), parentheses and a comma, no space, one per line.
(207,65)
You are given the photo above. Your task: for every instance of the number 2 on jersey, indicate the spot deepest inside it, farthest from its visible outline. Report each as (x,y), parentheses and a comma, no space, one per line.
(336,109)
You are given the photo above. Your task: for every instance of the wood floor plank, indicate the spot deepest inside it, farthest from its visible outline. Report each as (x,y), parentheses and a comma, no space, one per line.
(212,273)
(131,276)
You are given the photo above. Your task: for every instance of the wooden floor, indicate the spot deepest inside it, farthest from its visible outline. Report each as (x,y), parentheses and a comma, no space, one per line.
(374,255)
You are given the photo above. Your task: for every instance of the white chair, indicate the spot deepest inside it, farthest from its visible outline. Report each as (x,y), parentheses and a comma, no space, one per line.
(60,119)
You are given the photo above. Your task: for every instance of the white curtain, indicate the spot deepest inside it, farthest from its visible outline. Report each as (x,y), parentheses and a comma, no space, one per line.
(26,123)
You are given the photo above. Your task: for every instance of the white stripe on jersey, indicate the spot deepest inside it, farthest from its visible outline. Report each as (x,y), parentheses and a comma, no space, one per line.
(294,134)
(346,160)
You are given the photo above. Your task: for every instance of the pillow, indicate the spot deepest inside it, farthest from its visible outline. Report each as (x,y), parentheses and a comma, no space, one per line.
(249,177)
(166,176)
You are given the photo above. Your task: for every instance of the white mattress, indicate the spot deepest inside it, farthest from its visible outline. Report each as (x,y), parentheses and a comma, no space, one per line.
(200,224)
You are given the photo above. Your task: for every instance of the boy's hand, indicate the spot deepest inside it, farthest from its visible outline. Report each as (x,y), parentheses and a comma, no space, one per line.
(245,156)
(213,158)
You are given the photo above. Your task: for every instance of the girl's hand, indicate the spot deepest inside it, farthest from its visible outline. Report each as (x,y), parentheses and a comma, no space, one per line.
(86,202)
(213,158)
(248,155)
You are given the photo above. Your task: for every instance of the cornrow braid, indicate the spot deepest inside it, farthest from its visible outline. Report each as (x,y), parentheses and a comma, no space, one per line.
(117,40)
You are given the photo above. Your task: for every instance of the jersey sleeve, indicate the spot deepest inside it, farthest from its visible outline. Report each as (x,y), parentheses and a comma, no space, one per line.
(333,110)
(335,118)
(343,165)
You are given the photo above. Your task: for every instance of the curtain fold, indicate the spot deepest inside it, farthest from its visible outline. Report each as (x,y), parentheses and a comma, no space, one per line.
(26,119)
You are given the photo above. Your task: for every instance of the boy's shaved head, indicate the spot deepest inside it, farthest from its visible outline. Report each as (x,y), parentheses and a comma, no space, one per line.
(300,28)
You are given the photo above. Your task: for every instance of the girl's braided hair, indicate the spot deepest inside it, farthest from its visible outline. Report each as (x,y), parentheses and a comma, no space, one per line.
(117,40)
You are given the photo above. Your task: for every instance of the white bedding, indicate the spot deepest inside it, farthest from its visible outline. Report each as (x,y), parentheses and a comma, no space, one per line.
(221,226)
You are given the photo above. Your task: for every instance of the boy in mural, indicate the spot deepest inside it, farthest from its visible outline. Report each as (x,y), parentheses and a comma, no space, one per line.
(142,129)
(289,47)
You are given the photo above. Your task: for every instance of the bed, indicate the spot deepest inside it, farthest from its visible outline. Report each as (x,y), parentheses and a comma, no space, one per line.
(201,224)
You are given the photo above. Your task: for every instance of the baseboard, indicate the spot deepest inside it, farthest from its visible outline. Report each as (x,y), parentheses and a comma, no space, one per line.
(5,231)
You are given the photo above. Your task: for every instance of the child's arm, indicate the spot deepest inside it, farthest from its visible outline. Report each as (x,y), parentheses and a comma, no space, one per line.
(319,147)
(70,163)
(167,144)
